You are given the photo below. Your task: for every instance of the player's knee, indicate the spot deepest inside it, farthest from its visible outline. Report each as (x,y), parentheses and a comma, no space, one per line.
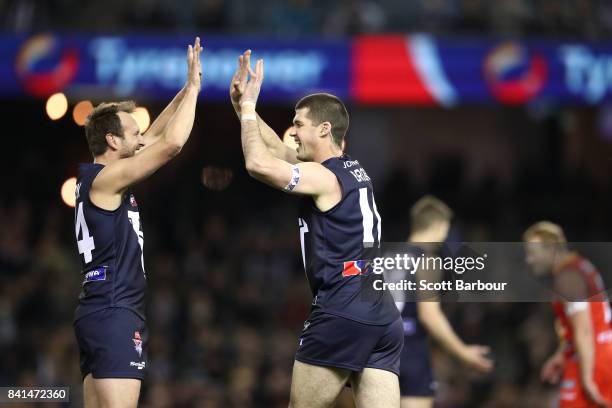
(310,401)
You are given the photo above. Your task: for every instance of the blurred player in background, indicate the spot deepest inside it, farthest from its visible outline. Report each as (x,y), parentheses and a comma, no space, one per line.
(347,338)
(583,360)
(430,221)
(109,320)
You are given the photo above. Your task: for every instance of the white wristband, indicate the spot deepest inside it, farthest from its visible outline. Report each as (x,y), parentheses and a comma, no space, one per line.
(248,116)
(247,103)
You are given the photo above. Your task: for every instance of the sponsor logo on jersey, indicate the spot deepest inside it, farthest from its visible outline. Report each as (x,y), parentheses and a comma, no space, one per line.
(353,268)
(139,365)
(138,344)
(95,275)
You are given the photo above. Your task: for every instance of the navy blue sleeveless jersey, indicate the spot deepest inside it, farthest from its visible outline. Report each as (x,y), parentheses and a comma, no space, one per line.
(110,245)
(333,244)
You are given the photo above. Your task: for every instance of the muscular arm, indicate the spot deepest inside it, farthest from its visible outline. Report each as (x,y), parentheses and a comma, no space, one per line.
(583,337)
(314,179)
(430,314)
(438,327)
(267,134)
(113,179)
(111,182)
(272,141)
(158,126)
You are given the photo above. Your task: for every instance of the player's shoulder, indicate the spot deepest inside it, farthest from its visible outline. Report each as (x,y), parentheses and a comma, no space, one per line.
(88,169)
(349,171)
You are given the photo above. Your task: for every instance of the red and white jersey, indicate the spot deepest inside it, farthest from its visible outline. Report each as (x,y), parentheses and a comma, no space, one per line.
(596,302)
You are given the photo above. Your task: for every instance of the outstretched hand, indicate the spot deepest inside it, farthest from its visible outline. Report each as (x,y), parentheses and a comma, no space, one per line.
(475,356)
(194,66)
(239,79)
(250,88)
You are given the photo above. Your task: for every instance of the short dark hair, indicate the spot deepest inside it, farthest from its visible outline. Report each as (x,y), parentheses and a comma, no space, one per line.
(427,211)
(103,120)
(324,107)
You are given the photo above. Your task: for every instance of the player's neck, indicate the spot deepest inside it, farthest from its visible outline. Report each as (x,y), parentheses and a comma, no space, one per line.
(328,154)
(105,159)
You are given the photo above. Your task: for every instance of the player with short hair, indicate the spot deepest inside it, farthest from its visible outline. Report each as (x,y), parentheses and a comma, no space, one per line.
(583,360)
(430,220)
(348,338)
(109,321)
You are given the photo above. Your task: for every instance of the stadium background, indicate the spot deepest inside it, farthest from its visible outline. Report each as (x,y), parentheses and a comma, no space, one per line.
(504,145)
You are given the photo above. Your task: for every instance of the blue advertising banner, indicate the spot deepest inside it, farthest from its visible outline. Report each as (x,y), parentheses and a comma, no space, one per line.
(421,70)
(154,66)
(372,69)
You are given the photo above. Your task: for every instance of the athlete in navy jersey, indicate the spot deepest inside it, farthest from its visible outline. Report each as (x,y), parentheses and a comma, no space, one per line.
(109,321)
(421,312)
(112,251)
(348,338)
(333,237)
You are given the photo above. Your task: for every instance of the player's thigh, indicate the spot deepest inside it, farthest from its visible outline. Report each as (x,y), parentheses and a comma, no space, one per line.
(416,402)
(90,397)
(315,386)
(375,388)
(117,392)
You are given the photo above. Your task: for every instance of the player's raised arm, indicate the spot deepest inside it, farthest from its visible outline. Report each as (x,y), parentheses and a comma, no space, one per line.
(304,178)
(269,136)
(158,126)
(110,183)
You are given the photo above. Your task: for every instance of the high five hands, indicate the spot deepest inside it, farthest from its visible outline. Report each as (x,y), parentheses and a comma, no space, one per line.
(246,83)
(194,66)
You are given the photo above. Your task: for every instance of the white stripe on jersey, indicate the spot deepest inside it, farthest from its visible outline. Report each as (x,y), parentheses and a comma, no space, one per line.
(368,217)
(377,218)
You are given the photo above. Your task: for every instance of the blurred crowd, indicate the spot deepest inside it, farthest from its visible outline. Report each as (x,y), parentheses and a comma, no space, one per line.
(226,305)
(573,18)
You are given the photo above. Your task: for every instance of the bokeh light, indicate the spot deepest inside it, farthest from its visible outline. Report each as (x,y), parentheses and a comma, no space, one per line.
(142,117)
(81,111)
(68,190)
(57,106)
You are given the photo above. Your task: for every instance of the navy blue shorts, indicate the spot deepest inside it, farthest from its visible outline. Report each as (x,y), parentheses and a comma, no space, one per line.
(113,344)
(416,378)
(335,341)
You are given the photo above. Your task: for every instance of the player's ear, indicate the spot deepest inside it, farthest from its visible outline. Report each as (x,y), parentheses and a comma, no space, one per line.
(112,141)
(325,128)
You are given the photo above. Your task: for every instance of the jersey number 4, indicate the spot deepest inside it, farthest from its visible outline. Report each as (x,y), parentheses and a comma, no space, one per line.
(86,243)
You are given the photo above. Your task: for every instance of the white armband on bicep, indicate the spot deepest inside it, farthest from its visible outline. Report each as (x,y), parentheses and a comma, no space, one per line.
(573,307)
(295,178)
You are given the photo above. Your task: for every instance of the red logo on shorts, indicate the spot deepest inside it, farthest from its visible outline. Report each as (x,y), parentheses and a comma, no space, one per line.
(137,343)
